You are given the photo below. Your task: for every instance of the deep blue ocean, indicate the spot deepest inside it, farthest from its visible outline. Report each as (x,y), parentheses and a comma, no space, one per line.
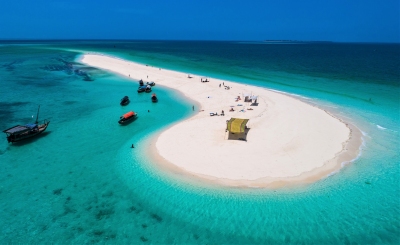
(80,182)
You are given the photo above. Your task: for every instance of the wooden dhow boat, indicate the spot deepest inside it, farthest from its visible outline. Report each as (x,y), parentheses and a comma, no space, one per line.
(22,132)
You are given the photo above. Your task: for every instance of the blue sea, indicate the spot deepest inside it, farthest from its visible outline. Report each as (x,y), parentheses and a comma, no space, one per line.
(81,183)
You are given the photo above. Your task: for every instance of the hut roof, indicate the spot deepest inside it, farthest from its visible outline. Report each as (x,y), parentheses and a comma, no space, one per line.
(237,125)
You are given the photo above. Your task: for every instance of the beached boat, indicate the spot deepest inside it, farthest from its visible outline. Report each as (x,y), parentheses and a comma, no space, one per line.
(148,89)
(125,100)
(22,132)
(151,83)
(154,98)
(142,88)
(127,117)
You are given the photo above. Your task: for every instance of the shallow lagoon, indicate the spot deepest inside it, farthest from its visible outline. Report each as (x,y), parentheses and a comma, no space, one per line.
(81,181)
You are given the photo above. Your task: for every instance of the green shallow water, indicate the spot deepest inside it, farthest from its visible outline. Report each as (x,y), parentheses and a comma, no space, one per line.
(82,183)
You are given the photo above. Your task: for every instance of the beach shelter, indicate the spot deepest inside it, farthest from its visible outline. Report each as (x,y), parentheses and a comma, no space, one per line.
(254,99)
(247,97)
(237,128)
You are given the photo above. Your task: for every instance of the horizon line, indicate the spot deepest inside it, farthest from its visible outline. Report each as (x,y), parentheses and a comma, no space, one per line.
(272,41)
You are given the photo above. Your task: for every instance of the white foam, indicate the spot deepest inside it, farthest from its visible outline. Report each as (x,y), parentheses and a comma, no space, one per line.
(380,127)
(364,133)
(333,173)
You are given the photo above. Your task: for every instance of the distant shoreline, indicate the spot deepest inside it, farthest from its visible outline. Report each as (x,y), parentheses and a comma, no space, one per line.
(288,142)
(295,41)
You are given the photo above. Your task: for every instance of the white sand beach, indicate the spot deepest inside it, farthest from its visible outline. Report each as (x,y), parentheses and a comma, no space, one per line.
(288,140)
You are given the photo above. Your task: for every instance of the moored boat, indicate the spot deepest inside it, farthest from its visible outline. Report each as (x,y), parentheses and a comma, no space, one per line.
(154,98)
(141,82)
(125,100)
(148,89)
(22,132)
(151,83)
(127,117)
(142,88)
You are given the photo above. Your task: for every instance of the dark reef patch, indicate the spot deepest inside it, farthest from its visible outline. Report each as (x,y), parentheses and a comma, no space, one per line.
(43,227)
(131,209)
(107,194)
(69,102)
(57,191)
(7,111)
(156,217)
(98,232)
(70,68)
(68,209)
(78,229)
(104,213)
(11,65)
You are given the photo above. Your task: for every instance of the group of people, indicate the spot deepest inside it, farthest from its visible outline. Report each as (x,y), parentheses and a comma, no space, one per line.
(216,114)
(223,84)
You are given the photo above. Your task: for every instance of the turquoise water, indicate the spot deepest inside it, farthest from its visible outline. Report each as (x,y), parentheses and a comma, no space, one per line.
(82,183)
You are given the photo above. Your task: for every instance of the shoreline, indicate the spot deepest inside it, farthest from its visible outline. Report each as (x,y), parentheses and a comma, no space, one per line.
(298,159)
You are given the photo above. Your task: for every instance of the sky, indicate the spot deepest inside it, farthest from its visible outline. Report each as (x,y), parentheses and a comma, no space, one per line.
(246,20)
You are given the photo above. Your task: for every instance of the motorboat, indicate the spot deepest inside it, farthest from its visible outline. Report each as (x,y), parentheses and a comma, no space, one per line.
(142,88)
(127,117)
(151,83)
(154,98)
(148,89)
(125,100)
(141,82)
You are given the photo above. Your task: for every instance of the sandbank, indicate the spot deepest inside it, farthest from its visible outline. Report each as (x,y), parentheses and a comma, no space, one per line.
(289,141)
